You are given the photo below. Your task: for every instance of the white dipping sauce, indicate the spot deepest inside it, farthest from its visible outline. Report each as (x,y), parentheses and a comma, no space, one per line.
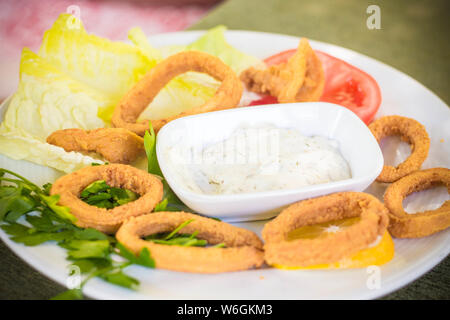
(259,159)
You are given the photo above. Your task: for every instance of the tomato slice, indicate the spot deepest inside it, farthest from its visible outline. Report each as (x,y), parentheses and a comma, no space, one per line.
(264,100)
(279,57)
(345,85)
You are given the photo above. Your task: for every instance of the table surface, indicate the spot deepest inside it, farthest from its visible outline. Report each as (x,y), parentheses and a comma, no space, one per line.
(413,38)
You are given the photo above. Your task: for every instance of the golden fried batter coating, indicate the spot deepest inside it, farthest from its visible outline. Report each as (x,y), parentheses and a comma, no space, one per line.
(333,247)
(421,224)
(299,79)
(410,131)
(243,248)
(117,145)
(142,93)
(69,188)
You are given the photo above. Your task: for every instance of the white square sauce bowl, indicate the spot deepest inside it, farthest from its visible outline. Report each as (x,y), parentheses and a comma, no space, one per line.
(356,144)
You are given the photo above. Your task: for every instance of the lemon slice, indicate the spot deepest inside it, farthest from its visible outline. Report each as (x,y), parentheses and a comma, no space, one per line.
(378,254)
(321,230)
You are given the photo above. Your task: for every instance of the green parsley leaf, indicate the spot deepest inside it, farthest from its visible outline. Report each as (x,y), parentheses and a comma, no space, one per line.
(62,212)
(175,238)
(173,202)
(73,294)
(98,197)
(43,223)
(91,264)
(121,279)
(101,195)
(122,196)
(181,226)
(80,249)
(46,188)
(36,238)
(144,258)
(94,187)
(185,241)
(18,206)
(87,248)
(16,229)
(150,151)
(161,206)
(91,234)
(6,191)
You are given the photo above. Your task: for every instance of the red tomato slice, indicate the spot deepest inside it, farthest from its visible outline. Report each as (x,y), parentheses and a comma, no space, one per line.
(264,100)
(279,57)
(345,85)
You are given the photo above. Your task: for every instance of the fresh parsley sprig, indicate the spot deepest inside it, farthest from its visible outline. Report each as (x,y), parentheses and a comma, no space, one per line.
(175,238)
(20,196)
(170,200)
(101,195)
(30,216)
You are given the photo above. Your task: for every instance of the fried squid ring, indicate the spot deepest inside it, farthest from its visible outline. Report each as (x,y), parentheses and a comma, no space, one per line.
(117,145)
(299,79)
(142,93)
(421,224)
(334,246)
(410,131)
(243,248)
(69,188)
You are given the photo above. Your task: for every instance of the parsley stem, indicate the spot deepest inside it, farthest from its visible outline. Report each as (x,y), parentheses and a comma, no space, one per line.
(20,177)
(125,264)
(181,226)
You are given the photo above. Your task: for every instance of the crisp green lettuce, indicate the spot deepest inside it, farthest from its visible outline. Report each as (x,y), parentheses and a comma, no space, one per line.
(214,43)
(138,37)
(75,82)
(191,89)
(109,67)
(77,79)
(179,95)
(182,93)
(48,100)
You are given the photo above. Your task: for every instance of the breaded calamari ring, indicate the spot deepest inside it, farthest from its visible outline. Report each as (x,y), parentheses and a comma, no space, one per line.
(334,246)
(142,93)
(410,131)
(117,145)
(243,248)
(421,224)
(69,188)
(299,79)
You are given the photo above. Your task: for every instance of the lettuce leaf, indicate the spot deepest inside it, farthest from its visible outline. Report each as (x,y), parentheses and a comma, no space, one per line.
(78,78)
(48,100)
(190,89)
(181,93)
(214,43)
(138,37)
(107,66)
(75,82)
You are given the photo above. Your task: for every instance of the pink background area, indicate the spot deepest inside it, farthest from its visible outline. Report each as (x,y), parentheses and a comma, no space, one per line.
(23,22)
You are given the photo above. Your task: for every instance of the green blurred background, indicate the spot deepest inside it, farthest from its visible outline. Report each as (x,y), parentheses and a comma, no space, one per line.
(414,34)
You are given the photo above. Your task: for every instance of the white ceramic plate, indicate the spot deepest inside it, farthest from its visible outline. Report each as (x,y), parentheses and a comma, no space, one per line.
(401,95)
